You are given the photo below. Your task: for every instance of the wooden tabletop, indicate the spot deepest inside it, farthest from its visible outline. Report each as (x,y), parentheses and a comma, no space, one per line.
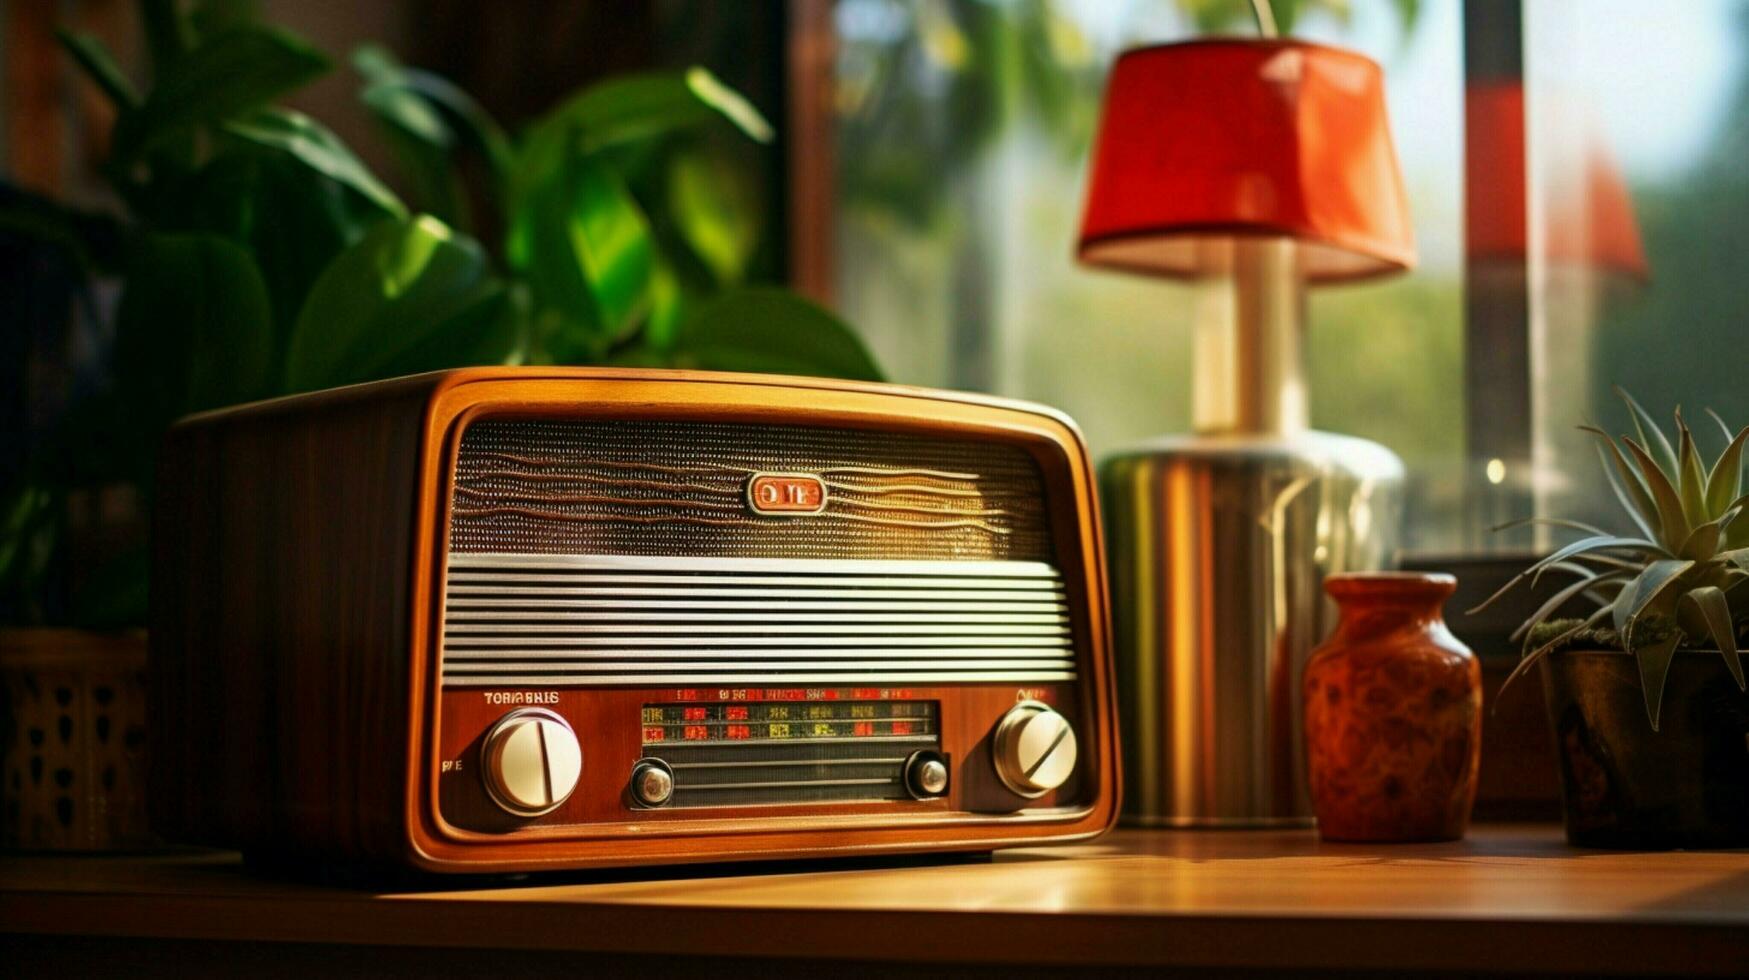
(1508,898)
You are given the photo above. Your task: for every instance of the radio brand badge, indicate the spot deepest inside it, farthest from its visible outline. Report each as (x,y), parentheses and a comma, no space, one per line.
(786,494)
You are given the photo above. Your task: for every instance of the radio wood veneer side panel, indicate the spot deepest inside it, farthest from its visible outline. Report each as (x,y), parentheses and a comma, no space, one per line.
(284,545)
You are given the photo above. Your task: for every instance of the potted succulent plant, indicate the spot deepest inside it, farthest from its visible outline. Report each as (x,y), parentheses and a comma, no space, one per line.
(1646,693)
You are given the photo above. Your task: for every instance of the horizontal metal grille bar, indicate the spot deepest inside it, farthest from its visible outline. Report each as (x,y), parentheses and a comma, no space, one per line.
(759,586)
(465,608)
(598,620)
(739,675)
(770,628)
(812,567)
(685,642)
(743,655)
(837,622)
(616,666)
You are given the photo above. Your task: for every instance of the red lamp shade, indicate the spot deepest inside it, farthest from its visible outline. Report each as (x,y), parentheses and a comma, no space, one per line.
(1211,139)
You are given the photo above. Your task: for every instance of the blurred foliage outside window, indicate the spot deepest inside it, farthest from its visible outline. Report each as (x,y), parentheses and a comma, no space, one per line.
(963,133)
(1671,120)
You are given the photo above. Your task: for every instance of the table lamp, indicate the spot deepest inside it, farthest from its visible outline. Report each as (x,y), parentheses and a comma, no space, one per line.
(1252,168)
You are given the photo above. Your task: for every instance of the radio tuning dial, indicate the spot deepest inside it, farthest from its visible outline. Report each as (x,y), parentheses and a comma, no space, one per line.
(1035,749)
(532,761)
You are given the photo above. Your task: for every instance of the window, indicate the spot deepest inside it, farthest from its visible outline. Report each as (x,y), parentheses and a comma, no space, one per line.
(963,131)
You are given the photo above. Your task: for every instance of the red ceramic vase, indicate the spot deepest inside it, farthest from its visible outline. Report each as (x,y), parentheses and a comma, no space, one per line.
(1393,714)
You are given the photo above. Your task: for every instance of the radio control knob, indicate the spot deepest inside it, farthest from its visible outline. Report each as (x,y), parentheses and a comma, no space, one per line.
(652,782)
(1035,749)
(532,762)
(926,775)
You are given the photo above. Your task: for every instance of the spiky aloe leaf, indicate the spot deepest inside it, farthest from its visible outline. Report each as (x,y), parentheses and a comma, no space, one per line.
(1713,607)
(1529,659)
(1703,541)
(1725,481)
(1672,523)
(1570,567)
(1549,522)
(1690,476)
(1644,589)
(1643,422)
(1722,426)
(1736,556)
(1595,543)
(1654,664)
(1629,489)
(1565,595)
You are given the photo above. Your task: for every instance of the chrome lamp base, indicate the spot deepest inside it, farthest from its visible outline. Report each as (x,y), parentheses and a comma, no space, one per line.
(1219,548)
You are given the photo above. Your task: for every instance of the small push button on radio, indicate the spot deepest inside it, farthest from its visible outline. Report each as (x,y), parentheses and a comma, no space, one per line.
(926,775)
(1035,749)
(532,761)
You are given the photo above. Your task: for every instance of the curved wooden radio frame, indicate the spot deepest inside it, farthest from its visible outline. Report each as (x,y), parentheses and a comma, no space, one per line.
(297,600)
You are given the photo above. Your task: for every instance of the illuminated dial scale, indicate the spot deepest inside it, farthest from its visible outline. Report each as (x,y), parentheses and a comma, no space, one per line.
(533,761)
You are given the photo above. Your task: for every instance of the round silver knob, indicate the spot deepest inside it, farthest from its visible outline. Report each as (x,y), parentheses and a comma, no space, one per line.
(926,774)
(1035,749)
(532,762)
(652,782)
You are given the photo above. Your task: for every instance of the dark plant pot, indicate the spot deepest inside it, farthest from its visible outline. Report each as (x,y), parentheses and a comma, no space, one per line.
(1624,785)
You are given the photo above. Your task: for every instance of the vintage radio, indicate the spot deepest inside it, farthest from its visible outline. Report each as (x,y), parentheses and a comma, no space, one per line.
(516,619)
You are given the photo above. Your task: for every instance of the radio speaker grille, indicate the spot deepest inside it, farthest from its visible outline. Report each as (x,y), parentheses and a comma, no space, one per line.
(627,553)
(580,619)
(680,488)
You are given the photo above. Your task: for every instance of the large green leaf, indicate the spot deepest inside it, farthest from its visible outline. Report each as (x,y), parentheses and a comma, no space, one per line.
(431,110)
(763,328)
(228,74)
(636,107)
(715,207)
(629,109)
(315,146)
(290,213)
(389,301)
(100,67)
(586,248)
(210,17)
(167,35)
(193,330)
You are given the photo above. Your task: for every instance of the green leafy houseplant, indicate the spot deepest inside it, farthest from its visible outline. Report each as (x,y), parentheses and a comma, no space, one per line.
(259,256)
(1676,581)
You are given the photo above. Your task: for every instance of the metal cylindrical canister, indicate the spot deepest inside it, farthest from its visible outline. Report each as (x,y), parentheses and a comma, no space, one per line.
(1219,548)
